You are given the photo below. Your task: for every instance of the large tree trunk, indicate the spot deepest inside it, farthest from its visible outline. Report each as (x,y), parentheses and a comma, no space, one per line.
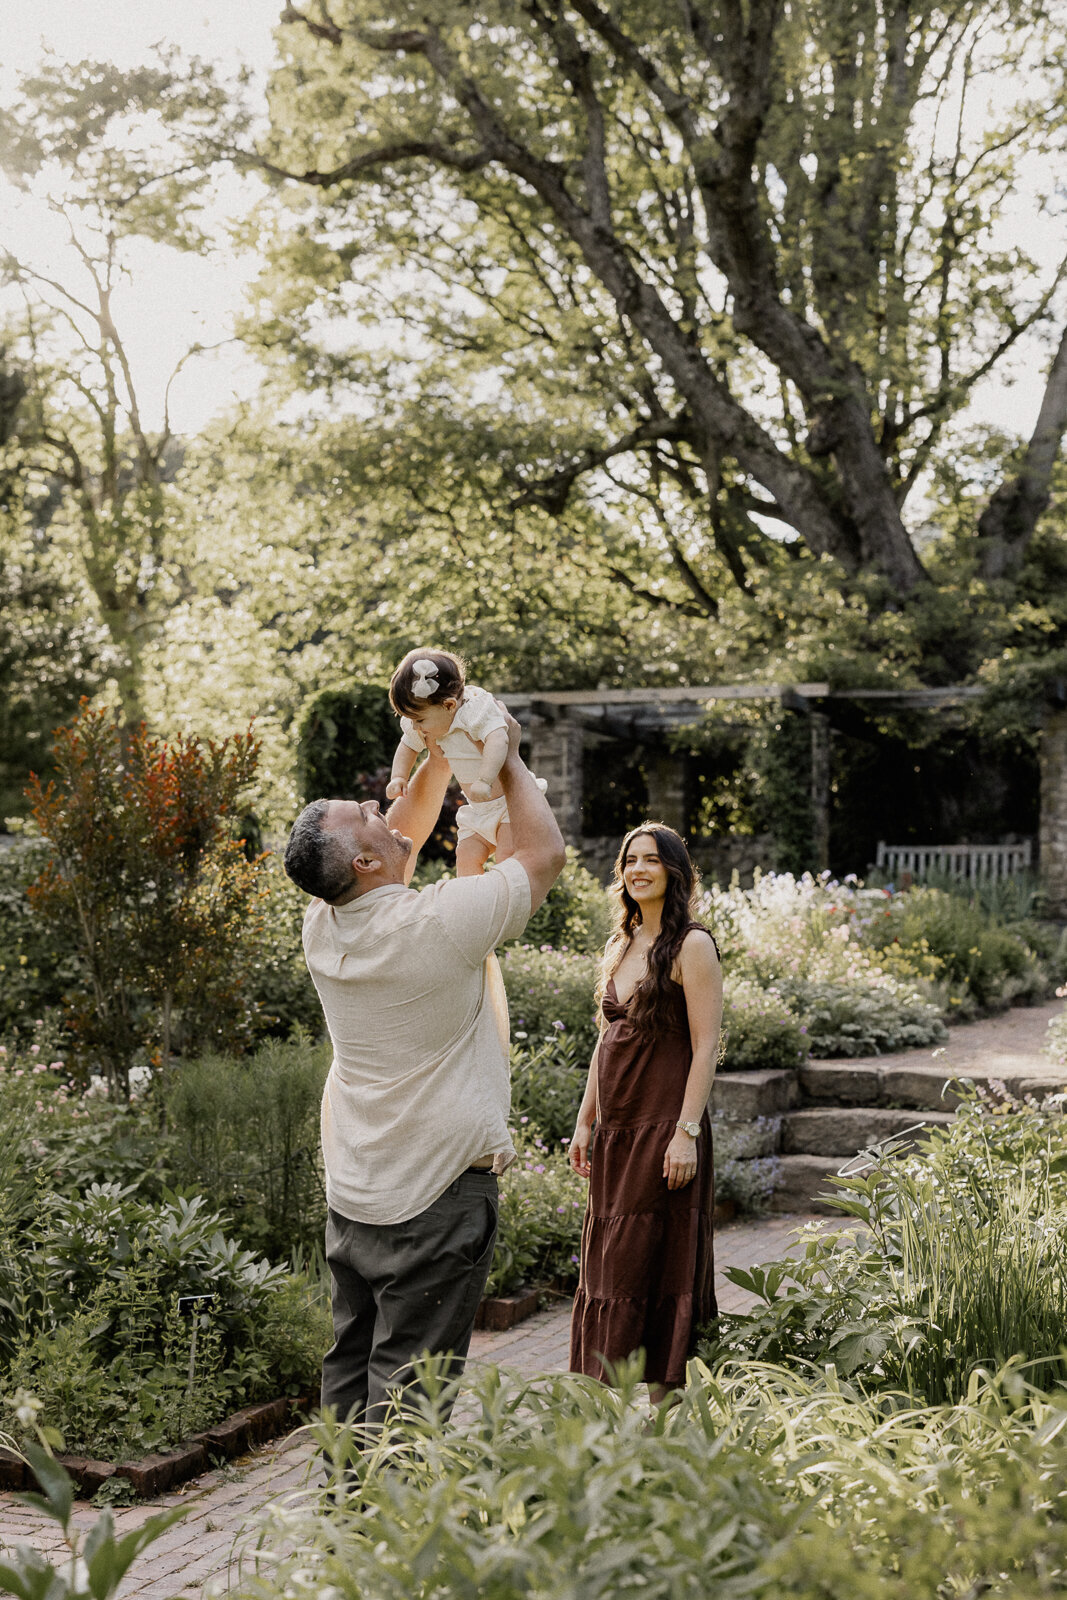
(1008,521)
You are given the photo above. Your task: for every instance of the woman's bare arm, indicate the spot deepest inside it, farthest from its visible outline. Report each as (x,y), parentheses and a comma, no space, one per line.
(578,1154)
(701,977)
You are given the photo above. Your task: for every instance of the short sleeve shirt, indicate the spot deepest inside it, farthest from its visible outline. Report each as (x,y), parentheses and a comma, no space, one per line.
(419,1088)
(477,716)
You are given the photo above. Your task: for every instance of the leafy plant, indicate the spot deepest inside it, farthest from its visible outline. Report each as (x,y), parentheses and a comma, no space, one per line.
(575,915)
(105,1345)
(245,1132)
(146,881)
(759,1029)
(959,1263)
(547,1083)
(761,1482)
(542,1203)
(864,1018)
(982,961)
(551,992)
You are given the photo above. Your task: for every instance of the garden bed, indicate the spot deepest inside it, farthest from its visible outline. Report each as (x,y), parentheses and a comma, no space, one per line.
(154,1474)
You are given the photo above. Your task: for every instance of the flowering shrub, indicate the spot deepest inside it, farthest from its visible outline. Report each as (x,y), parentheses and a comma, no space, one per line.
(984,965)
(547,1083)
(550,992)
(861,1019)
(742,1173)
(542,1203)
(869,970)
(759,1028)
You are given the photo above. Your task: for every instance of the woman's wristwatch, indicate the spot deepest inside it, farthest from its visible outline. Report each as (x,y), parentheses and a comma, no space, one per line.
(691,1128)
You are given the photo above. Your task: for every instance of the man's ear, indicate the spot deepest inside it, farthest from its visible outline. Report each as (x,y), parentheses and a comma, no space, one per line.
(364,864)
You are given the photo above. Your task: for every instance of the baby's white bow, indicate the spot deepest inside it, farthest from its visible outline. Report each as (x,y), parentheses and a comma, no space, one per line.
(426,680)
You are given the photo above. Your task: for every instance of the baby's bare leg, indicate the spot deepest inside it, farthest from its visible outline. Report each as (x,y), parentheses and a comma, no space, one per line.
(471,855)
(504,843)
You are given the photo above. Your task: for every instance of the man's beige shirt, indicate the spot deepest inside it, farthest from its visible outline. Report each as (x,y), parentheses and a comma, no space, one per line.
(420,1086)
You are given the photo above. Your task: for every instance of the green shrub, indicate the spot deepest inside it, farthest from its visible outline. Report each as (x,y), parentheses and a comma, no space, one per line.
(960,1264)
(758,1028)
(276,979)
(551,992)
(547,1084)
(864,1018)
(576,914)
(341,736)
(760,1483)
(542,1203)
(245,1132)
(105,1345)
(984,962)
(36,968)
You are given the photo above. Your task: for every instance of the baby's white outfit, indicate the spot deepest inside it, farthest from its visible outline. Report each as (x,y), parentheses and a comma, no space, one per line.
(477,716)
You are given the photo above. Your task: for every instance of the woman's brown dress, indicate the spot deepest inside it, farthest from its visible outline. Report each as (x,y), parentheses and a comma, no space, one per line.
(647,1256)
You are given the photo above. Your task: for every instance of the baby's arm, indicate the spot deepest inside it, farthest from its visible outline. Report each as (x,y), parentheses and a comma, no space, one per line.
(403,761)
(494,754)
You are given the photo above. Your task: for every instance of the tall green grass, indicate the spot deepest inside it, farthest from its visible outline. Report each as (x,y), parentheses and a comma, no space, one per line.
(245,1132)
(959,1264)
(761,1483)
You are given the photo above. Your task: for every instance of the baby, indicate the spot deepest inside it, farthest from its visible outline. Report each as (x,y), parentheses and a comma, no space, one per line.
(434,702)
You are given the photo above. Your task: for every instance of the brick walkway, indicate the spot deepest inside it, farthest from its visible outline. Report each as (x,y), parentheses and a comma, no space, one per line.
(207,1543)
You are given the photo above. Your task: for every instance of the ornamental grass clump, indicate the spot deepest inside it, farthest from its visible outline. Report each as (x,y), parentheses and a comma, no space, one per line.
(958,1264)
(761,1483)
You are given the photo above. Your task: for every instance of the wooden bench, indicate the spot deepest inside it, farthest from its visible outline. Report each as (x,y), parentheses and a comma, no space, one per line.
(969,862)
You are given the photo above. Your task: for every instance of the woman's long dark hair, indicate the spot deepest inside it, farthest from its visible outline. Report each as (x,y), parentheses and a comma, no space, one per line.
(652,995)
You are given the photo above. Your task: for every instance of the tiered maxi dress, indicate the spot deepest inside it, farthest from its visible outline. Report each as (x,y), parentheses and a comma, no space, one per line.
(647,1262)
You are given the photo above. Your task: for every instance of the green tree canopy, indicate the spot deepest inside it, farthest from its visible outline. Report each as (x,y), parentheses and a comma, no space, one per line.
(735,267)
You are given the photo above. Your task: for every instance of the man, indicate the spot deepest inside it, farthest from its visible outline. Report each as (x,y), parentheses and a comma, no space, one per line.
(414,1113)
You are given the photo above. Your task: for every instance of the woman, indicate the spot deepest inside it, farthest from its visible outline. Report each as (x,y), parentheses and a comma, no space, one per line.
(647,1264)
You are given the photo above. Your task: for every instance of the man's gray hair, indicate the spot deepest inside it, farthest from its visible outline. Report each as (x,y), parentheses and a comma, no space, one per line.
(318,861)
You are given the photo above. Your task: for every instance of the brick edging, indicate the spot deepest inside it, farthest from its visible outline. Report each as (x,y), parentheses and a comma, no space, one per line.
(154,1474)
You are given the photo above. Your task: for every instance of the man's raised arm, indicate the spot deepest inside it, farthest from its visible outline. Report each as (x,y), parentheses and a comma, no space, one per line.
(536,839)
(416,812)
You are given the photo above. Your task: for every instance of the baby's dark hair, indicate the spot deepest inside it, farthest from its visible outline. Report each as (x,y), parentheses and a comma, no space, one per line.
(446,682)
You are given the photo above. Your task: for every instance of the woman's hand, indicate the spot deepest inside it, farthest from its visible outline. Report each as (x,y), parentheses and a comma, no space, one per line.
(578,1154)
(680,1162)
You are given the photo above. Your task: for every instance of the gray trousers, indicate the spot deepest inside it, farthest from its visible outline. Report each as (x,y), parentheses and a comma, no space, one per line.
(403,1288)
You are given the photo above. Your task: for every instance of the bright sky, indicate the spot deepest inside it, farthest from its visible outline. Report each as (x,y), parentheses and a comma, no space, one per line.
(174,300)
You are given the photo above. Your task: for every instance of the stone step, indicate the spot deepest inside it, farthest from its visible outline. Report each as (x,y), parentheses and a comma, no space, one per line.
(854,1083)
(844,1130)
(802,1180)
(743,1096)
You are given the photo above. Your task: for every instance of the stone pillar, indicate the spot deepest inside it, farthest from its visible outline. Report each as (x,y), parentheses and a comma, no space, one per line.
(820,789)
(665,776)
(556,755)
(1052,847)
